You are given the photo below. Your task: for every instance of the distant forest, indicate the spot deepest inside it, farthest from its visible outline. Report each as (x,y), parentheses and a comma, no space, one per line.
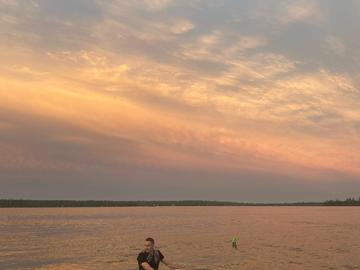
(348,201)
(92,203)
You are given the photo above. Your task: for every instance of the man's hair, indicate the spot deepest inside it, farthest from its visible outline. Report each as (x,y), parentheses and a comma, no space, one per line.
(151,240)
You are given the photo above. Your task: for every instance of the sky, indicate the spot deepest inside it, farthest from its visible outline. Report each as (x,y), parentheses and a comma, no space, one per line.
(255,101)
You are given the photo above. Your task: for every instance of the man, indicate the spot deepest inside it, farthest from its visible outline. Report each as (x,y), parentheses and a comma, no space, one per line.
(150,258)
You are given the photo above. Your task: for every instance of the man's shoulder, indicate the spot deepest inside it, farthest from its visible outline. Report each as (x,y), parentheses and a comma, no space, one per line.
(143,252)
(161,255)
(142,256)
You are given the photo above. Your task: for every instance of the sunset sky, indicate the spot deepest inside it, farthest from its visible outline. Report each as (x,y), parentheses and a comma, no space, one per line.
(252,100)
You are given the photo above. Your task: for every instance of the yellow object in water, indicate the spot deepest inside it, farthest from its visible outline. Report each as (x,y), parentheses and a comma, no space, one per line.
(234,242)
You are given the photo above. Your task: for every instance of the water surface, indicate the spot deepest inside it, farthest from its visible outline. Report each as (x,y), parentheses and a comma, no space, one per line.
(196,237)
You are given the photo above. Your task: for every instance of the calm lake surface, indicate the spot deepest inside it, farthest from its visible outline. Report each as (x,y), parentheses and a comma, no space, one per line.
(196,237)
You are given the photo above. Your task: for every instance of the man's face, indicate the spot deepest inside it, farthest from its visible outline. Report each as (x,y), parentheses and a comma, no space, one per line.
(148,246)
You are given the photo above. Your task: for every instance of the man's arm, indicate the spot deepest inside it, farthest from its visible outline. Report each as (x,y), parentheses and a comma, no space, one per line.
(146,266)
(169,264)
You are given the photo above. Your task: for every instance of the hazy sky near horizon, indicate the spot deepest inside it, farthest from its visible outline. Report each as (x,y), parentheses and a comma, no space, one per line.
(221,100)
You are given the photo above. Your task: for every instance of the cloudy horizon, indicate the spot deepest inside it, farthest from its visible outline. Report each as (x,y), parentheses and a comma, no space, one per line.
(254,101)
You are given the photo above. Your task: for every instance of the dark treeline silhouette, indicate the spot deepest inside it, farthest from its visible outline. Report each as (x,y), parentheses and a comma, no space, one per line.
(347,202)
(92,203)
(96,203)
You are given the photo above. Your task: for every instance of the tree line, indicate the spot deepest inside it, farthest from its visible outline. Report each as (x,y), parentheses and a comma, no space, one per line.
(98,203)
(346,202)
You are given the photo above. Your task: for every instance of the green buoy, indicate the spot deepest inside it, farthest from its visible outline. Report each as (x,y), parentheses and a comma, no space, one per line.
(234,242)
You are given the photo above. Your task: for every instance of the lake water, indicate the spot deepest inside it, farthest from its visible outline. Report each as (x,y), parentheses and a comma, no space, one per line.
(195,237)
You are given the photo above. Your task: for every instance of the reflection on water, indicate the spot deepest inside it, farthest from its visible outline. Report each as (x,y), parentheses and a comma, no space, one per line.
(196,237)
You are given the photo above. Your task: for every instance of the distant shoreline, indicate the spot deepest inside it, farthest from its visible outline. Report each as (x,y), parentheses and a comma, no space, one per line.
(24,203)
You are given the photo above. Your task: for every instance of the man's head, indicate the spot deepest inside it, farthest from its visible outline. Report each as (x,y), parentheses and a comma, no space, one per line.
(149,244)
